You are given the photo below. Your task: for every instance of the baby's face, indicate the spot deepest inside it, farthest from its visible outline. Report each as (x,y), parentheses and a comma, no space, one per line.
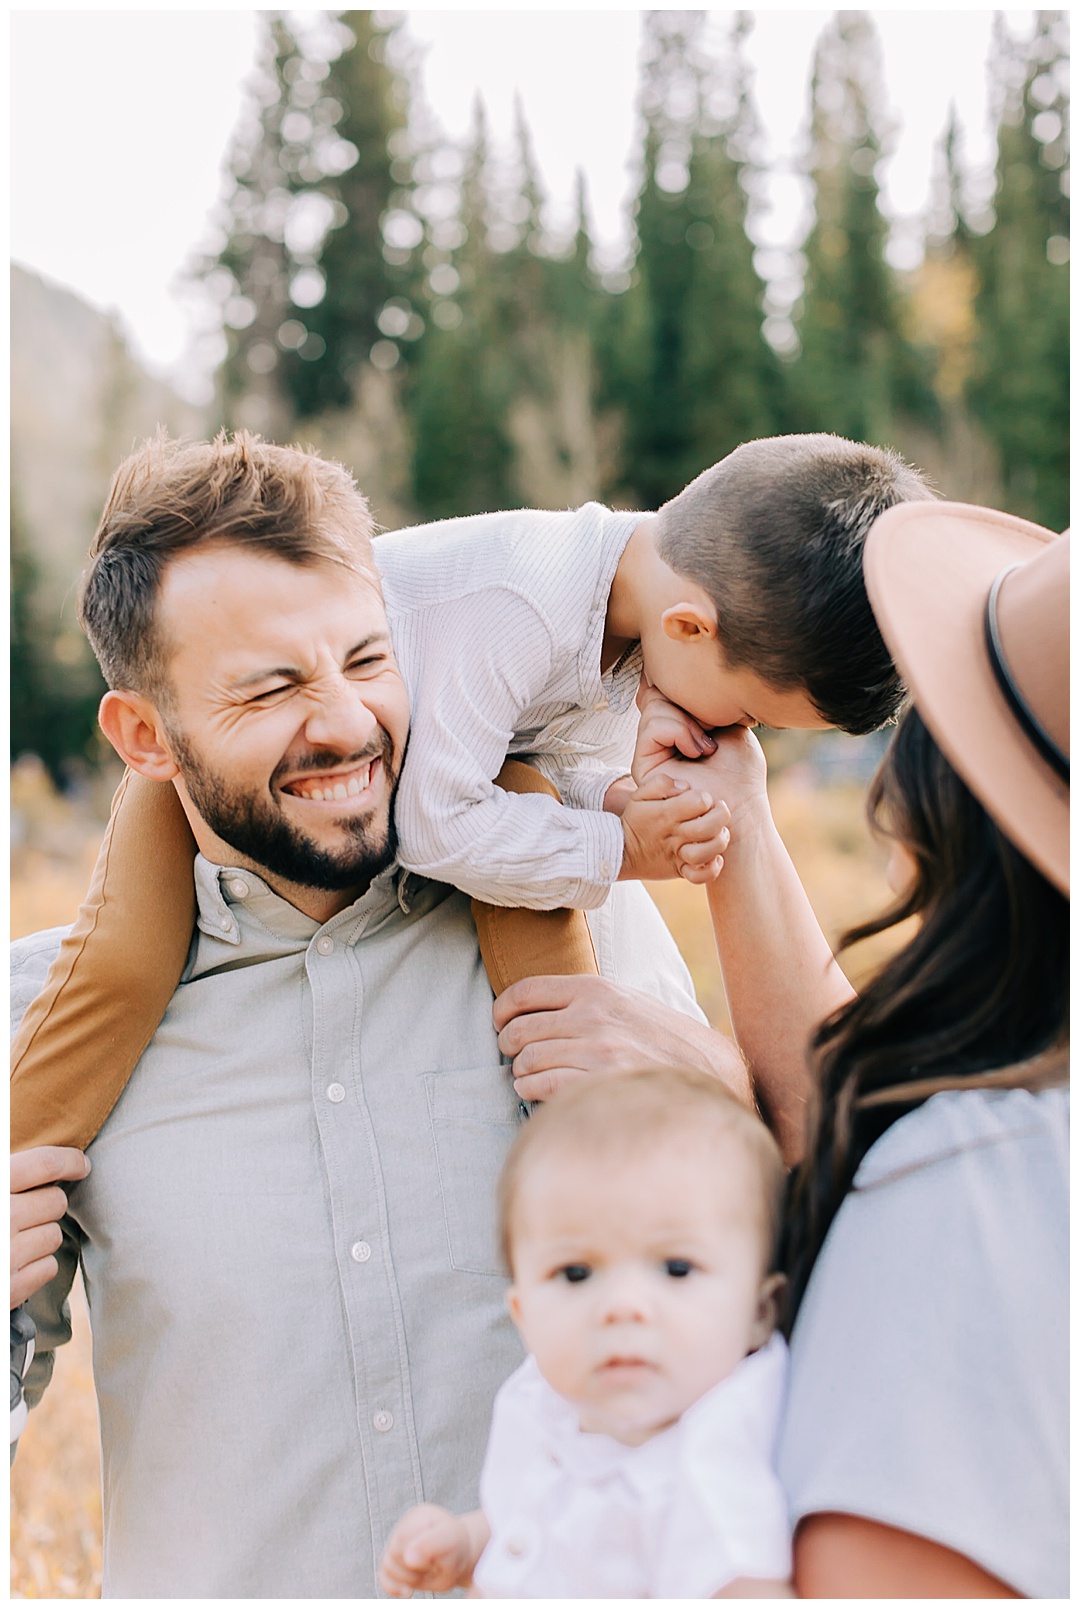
(638,1288)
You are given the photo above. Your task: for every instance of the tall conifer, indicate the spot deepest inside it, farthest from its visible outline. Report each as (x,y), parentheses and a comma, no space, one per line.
(1019,387)
(696,377)
(857,373)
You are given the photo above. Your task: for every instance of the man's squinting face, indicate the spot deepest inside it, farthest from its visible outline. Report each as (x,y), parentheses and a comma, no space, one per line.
(289,715)
(639,1286)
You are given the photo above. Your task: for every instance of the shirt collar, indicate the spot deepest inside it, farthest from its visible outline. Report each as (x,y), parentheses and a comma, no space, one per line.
(224,895)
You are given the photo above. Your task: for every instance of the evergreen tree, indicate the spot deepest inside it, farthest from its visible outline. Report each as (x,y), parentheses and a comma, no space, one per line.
(249,275)
(696,375)
(460,388)
(857,373)
(55,683)
(734,379)
(1019,387)
(369,279)
(317,261)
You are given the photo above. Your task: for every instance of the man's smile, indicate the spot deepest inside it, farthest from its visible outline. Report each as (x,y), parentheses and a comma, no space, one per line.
(331,787)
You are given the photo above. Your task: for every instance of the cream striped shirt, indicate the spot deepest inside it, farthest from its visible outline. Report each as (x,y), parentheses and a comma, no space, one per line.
(498,622)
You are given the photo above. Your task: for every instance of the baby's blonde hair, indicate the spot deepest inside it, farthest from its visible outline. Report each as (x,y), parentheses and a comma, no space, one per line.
(613,1118)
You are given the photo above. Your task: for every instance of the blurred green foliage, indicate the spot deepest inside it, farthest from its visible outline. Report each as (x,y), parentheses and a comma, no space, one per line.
(55,684)
(380,285)
(1019,386)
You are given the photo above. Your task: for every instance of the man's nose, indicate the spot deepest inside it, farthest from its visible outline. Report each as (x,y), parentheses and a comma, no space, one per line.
(338,716)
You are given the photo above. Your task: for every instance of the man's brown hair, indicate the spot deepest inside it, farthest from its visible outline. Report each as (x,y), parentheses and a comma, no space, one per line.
(171,496)
(610,1119)
(774,533)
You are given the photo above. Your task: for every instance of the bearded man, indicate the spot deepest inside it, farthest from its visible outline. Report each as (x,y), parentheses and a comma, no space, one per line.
(287,1236)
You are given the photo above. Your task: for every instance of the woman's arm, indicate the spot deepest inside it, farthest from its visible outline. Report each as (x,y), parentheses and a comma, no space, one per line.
(844,1556)
(780,976)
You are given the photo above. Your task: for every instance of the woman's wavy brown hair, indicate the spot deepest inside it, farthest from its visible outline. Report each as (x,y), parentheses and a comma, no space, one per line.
(981,991)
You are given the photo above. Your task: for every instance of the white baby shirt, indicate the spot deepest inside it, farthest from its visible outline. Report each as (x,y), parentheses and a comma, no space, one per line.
(575,1514)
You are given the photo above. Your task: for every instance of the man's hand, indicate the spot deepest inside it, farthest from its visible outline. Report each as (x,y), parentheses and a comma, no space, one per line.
(673,829)
(432,1550)
(664,732)
(559,1030)
(37,1205)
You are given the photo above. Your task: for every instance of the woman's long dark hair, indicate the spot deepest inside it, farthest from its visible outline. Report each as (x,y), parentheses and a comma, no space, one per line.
(983,985)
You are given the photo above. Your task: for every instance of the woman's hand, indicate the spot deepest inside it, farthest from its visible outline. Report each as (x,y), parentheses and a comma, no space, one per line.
(37,1205)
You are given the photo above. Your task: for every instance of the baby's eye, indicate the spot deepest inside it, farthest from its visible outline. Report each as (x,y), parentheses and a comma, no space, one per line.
(677,1267)
(574,1273)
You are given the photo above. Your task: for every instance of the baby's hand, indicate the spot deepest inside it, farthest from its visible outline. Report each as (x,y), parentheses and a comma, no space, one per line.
(429,1550)
(672,829)
(664,732)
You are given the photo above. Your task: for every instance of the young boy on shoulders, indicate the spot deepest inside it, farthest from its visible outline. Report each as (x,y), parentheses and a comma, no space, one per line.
(520,634)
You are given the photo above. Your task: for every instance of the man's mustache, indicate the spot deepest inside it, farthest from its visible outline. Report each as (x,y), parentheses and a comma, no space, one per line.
(380,748)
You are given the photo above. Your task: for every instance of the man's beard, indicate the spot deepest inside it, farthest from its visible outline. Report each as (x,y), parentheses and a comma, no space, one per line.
(259,831)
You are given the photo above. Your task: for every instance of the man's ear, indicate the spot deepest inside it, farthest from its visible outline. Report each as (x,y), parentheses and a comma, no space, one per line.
(689,622)
(136,731)
(768,1311)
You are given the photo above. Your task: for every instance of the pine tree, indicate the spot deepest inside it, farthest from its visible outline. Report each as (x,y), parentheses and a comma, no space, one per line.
(857,373)
(460,391)
(734,379)
(317,259)
(696,376)
(55,684)
(369,280)
(1019,387)
(249,275)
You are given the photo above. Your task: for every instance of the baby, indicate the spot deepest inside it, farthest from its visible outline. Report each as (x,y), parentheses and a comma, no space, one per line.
(521,633)
(630,1456)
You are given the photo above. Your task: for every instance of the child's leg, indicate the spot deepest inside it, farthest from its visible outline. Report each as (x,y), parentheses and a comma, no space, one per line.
(519,944)
(108,988)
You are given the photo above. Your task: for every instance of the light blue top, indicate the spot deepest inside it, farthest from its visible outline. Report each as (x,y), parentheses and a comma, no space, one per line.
(929,1361)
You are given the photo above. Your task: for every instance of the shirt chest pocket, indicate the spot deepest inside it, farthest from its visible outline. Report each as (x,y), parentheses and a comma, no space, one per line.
(474,1116)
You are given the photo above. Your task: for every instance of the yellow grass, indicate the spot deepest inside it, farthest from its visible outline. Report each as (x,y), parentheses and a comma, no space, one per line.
(55,1501)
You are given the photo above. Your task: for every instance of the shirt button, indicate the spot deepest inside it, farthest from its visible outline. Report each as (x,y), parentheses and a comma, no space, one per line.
(516,1547)
(238,888)
(383,1421)
(360,1253)
(335,1092)
(605,868)
(325,945)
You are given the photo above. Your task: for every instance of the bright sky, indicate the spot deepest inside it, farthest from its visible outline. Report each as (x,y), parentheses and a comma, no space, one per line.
(121,121)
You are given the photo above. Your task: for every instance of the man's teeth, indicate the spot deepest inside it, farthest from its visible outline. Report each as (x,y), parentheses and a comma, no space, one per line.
(346,788)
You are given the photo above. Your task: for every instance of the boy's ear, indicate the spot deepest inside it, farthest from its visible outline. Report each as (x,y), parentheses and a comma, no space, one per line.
(135,730)
(768,1311)
(689,622)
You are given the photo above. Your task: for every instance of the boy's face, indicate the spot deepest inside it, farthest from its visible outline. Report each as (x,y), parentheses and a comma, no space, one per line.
(637,1287)
(690,671)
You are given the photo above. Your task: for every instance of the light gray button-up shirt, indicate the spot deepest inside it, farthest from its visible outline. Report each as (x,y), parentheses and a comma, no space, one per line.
(288,1236)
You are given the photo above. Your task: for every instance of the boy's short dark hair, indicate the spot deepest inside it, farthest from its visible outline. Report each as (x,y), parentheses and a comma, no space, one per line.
(171,496)
(774,533)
